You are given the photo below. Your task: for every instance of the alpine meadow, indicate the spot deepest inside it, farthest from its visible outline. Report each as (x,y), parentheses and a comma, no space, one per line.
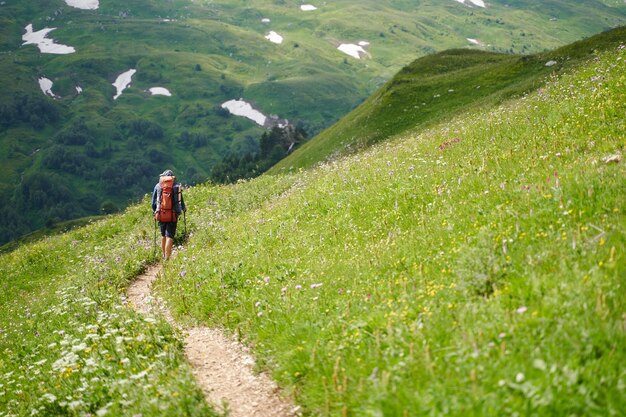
(100,95)
(450,241)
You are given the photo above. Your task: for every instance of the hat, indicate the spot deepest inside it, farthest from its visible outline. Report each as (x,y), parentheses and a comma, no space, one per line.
(167,173)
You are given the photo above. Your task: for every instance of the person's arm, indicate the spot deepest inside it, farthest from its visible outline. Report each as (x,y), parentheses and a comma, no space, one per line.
(155,193)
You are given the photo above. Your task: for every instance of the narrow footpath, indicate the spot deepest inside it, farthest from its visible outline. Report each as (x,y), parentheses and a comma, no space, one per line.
(221,366)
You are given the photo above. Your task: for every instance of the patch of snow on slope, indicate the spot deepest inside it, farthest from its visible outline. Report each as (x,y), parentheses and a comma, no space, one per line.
(84,4)
(160,91)
(352,50)
(307,7)
(45,45)
(242,108)
(123,81)
(46,86)
(274,37)
(479,3)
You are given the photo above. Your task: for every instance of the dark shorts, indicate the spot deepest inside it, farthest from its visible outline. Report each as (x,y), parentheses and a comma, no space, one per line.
(168,229)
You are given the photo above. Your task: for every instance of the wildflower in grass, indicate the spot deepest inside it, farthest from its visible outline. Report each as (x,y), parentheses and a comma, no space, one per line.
(283,290)
(104,410)
(521,310)
(49,397)
(79,348)
(313,286)
(298,287)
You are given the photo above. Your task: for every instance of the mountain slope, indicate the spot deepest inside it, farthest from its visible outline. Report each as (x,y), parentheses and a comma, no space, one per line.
(205,53)
(438,86)
(473,268)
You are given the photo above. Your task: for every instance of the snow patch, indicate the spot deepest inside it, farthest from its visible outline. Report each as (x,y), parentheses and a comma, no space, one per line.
(160,91)
(244,109)
(46,86)
(307,7)
(474,41)
(123,81)
(353,50)
(479,3)
(265,20)
(79,89)
(274,37)
(83,4)
(550,63)
(45,45)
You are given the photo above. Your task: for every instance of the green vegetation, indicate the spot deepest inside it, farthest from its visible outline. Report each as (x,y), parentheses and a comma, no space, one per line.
(207,52)
(69,344)
(273,147)
(436,87)
(473,268)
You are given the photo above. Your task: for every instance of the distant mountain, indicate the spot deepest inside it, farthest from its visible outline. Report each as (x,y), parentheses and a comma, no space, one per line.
(97,97)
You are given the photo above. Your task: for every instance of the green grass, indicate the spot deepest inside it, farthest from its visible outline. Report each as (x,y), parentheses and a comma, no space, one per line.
(436,87)
(71,346)
(58,228)
(475,268)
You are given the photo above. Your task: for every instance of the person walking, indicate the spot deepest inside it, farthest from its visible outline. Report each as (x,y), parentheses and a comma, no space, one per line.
(167,205)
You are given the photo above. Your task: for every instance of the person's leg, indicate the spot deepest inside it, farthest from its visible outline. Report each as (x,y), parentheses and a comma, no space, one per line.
(163,245)
(170,232)
(169,242)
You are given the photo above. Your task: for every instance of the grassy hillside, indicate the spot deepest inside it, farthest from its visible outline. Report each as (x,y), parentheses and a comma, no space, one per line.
(70,345)
(474,268)
(436,87)
(206,53)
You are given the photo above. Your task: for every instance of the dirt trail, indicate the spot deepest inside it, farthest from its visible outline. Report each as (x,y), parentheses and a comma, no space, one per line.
(222,367)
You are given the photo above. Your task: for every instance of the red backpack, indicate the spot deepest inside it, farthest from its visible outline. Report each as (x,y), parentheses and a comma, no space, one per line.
(165,202)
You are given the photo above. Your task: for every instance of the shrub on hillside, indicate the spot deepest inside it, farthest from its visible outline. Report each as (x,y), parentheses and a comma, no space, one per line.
(33,110)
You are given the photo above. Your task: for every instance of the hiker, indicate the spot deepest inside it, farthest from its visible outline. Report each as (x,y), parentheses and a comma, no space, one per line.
(167,205)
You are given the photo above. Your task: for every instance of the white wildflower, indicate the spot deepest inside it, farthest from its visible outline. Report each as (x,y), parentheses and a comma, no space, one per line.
(79,348)
(49,397)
